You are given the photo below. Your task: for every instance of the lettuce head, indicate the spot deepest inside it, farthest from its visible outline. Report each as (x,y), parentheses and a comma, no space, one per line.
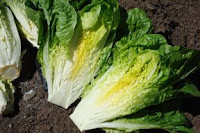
(143,72)
(76,45)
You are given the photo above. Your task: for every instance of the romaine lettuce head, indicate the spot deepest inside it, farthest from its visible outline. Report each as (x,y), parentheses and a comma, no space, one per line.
(143,72)
(6,97)
(72,55)
(29,20)
(53,54)
(10,45)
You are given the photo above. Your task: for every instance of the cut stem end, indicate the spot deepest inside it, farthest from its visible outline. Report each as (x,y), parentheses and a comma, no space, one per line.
(10,72)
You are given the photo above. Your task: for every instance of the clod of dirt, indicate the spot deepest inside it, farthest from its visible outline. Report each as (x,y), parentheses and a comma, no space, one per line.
(28,95)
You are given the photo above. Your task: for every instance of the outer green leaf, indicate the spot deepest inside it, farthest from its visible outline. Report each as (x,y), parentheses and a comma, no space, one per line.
(164,116)
(29,20)
(6,97)
(190,89)
(79,4)
(138,22)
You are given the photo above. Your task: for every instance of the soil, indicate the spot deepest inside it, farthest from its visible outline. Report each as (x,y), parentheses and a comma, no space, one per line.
(177,20)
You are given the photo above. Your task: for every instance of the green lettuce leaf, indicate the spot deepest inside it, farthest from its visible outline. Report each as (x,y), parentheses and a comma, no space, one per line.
(164,116)
(79,4)
(30,19)
(6,97)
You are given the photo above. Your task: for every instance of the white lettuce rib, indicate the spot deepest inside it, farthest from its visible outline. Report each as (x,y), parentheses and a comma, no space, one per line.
(66,87)
(88,113)
(6,97)
(106,102)
(64,90)
(125,126)
(3,102)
